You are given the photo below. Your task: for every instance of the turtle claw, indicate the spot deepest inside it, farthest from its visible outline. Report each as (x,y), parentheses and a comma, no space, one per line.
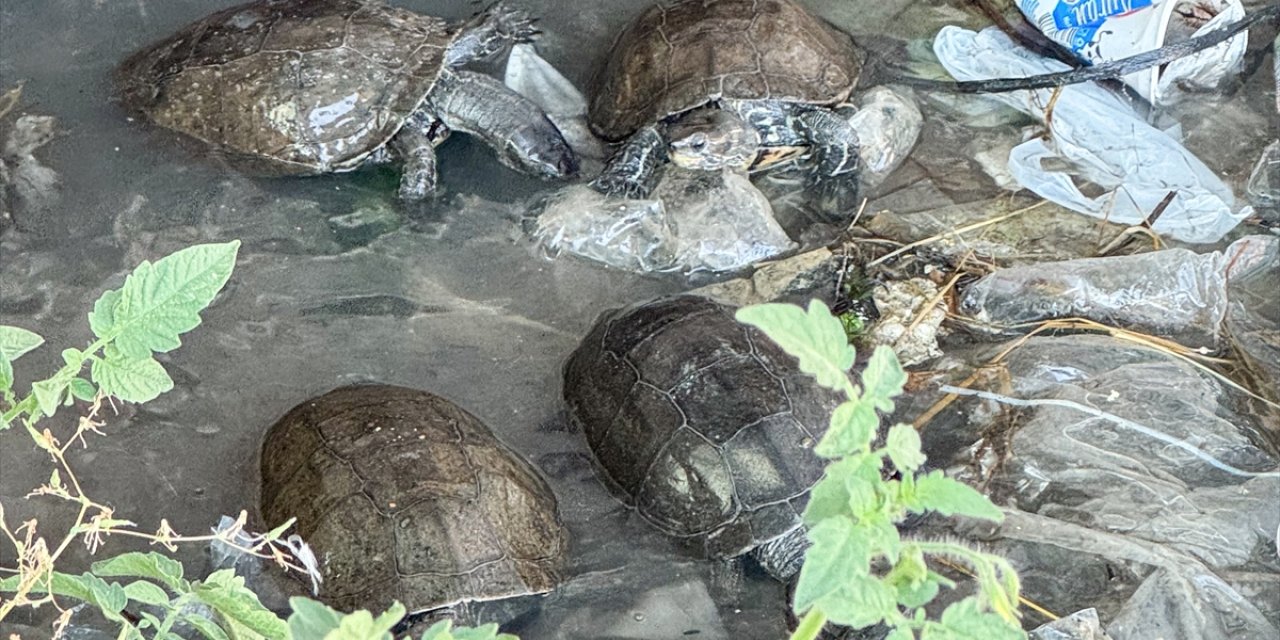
(515,25)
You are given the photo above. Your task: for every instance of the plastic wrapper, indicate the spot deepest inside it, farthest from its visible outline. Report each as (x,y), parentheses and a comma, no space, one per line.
(1104,30)
(888,124)
(1131,482)
(1175,293)
(1101,140)
(1264,183)
(695,221)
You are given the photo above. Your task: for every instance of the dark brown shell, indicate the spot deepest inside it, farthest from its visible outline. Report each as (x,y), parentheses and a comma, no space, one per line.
(679,56)
(405,496)
(292,86)
(703,422)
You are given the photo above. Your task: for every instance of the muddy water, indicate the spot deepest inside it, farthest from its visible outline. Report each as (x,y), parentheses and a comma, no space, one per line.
(454,301)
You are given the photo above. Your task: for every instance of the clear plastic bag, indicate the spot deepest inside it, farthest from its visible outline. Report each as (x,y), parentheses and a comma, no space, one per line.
(1101,139)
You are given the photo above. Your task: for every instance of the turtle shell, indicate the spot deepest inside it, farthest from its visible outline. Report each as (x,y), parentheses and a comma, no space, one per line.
(405,496)
(679,56)
(290,86)
(702,422)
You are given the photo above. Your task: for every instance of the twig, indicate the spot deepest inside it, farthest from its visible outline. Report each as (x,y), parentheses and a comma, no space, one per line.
(1104,71)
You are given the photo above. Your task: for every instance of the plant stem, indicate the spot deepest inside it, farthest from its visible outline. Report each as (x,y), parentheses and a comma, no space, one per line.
(810,626)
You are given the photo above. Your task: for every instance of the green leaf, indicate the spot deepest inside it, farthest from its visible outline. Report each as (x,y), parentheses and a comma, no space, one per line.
(939,493)
(361,625)
(150,565)
(864,500)
(207,628)
(82,389)
(16,341)
(853,426)
(161,301)
(910,578)
(861,601)
(829,497)
(903,446)
(225,593)
(484,632)
(816,338)
(146,593)
(6,373)
(883,378)
(965,620)
(48,394)
(132,380)
(836,556)
(311,620)
(900,633)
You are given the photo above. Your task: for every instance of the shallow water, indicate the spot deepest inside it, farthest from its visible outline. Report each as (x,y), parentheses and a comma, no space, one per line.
(456,302)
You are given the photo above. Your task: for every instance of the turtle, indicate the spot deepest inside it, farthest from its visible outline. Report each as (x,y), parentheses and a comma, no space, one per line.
(711,84)
(703,425)
(304,87)
(404,495)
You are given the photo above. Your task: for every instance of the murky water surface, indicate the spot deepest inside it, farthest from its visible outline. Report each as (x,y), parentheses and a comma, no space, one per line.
(457,302)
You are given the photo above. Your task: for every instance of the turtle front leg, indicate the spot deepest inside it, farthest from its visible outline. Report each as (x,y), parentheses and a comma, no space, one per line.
(415,144)
(490,33)
(834,141)
(632,171)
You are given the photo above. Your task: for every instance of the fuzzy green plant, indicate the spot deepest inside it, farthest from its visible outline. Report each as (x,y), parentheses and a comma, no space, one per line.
(859,570)
(147,594)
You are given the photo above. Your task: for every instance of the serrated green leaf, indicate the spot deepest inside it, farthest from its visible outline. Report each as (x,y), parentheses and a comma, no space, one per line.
(103,316)
(82,389)
(161,301)
(864,499)
(6,373)
(937,492)
(883,378)
(903,446)
(146,593)
(816,338)
(110,598)
(311,620)
(900,633)
(836,556)
(965,620)
(48,395)
(853,426)
(225,593)
(439,631)
(484,632)
(829,497)
(361,625)
(150,565)
(16,341)
(207,628)
(861,601)
(132,380)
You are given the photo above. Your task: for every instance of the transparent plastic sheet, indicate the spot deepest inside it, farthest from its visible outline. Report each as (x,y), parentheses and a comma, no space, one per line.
(1253,318)
(1101,139)
(1081,625)
(1175,293)
(696,221)
(1147,503)
(1264,183)
(888,125)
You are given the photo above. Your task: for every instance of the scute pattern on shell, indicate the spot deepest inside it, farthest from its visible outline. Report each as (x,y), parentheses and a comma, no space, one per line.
(703,422)
(290,86)
(405,496)
(676,57)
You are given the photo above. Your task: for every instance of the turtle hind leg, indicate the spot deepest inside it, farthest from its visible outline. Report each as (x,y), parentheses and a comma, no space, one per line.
(490,33)
(632,171)
(415,145)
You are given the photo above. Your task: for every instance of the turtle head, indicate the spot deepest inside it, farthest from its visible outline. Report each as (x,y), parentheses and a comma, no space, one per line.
(709,139)
(539,149)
